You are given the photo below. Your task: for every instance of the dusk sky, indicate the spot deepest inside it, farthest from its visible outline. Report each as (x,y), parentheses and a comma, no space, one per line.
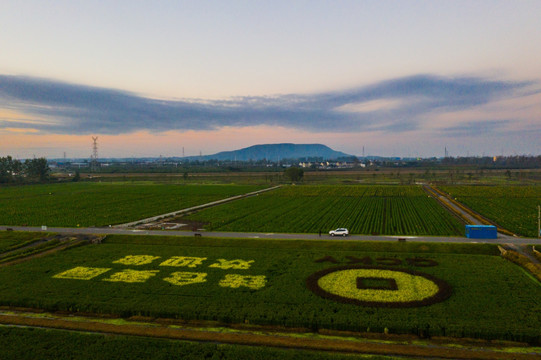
(399,78)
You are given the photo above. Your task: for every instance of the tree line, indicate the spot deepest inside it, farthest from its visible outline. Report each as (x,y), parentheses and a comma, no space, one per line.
(16,171)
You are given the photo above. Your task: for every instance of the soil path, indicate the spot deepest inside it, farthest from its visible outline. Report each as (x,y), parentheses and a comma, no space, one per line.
(265,338)
(28,246)
(522,249)
(449,205)
(193,208)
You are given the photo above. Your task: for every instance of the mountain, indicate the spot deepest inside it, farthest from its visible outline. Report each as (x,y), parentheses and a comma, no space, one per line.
(275,152)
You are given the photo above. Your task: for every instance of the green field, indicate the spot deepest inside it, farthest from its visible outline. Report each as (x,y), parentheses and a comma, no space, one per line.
(377,209)
(512,207)
(265,282)
(101,204)
(42,344)
(14,240)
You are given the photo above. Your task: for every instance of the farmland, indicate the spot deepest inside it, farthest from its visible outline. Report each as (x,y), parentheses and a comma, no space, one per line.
(101,204)
(45,344)
(13,240)
(265,282)
(390,210)
(512,207)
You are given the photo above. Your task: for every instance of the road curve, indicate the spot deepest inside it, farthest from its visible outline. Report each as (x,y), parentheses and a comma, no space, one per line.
(502,239)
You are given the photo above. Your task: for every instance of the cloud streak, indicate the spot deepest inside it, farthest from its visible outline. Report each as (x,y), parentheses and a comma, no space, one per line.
(60,108)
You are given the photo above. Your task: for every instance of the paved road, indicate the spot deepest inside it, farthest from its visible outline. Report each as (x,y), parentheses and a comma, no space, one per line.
(502,239)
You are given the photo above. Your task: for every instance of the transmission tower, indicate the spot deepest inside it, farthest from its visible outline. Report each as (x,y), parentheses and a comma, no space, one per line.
(94,156)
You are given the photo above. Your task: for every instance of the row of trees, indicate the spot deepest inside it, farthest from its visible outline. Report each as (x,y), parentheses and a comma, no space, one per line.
(15,171)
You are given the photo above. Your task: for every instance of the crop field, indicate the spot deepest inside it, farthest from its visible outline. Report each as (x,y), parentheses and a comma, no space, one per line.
(101,204)
(45,344)
(378,209)
(14,240)
(512,207)
(427,289)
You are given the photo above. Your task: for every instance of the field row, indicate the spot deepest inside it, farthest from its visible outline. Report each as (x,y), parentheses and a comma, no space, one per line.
(268,282)
(512,207)
(44,344)
(101,204)
(398,210)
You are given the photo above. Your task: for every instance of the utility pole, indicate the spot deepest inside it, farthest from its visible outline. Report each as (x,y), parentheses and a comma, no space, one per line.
(539,221)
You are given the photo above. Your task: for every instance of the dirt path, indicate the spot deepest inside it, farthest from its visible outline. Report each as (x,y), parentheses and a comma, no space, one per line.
(269,338)
(19,249)
(450,206)
(193,208)
(522,249)
(468,215)
(66,241)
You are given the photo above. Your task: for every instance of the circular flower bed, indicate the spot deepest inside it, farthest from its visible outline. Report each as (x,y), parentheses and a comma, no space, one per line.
(378,287)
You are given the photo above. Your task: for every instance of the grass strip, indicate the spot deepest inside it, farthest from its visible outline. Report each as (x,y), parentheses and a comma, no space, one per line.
(31,343)
(270,340)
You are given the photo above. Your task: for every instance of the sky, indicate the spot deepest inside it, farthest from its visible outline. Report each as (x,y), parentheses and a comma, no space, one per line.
(151,78)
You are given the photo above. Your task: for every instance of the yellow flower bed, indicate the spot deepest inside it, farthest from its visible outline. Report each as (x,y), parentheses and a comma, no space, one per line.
(186,278)
(136,260)
(237,264)
(184,261)
(410,287)
(378,287)
(250,281)
(81,273)
(132,276)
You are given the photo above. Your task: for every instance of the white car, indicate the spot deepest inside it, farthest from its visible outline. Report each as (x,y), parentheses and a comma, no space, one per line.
(339,232)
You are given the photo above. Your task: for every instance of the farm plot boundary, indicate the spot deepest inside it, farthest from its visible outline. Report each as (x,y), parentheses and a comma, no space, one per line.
(264,282)
(194,208)
(266,337)
(513,209)
(375,210)
(103,204)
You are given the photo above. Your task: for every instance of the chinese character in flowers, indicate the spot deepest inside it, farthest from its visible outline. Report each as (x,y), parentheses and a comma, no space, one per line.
(237,264)
(136,260)
(186,278)
(184,261)
(250,281)
(81,273)
(132,276)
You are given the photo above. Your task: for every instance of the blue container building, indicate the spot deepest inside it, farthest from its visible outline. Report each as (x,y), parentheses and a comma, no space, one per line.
(481,232)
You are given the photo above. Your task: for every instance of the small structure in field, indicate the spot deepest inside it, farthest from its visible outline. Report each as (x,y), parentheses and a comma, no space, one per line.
(481,232)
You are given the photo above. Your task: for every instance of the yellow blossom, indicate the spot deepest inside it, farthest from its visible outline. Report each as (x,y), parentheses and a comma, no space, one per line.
(81,273)
(136,260)
(186,278)
(409,287)
(184,261)
(250,281)
(237,264)
(132,276)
